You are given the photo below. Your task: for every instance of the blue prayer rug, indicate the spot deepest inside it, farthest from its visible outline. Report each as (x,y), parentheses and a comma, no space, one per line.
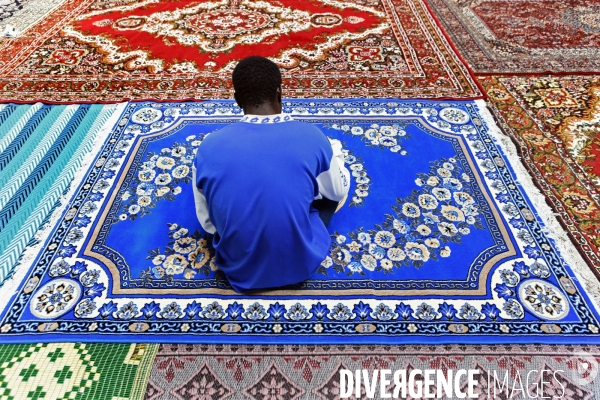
(438,242)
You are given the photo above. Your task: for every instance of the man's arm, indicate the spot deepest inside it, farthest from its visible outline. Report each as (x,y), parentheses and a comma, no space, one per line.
(201,206)
(334,183)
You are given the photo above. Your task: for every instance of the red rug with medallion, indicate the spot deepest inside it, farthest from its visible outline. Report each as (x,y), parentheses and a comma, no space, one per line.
(115,50)
(555,122)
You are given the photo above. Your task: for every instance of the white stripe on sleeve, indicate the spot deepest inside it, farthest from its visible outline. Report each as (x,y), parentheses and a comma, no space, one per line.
(334,183)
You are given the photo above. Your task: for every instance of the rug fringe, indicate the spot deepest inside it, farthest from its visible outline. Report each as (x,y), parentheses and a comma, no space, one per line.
(12,283)
(551,226)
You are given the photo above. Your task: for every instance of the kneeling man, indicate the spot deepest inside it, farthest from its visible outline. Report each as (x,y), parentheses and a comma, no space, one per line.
(256,183)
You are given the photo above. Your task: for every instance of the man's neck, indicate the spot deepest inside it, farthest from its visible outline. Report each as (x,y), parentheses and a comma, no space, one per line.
(263,109)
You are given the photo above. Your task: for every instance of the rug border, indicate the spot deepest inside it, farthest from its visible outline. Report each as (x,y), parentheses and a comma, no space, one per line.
(456,51)
(549,223)
(502,123)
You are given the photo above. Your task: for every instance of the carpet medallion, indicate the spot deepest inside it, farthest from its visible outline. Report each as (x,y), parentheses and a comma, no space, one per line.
(438,241)
(175,50)
(523,36)
(556,123)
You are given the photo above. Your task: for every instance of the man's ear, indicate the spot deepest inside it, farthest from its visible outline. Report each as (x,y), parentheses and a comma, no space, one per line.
(237,101)
(279,94)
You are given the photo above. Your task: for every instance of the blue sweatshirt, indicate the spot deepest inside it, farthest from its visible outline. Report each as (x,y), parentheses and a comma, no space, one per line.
(255,181)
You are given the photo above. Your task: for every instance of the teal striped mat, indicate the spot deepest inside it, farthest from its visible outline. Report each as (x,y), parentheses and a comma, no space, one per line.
(41,147)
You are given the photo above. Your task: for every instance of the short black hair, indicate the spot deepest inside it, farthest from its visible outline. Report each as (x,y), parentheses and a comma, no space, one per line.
(256,80)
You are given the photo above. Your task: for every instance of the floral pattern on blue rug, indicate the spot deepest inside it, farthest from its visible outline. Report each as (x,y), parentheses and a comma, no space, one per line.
(436,243)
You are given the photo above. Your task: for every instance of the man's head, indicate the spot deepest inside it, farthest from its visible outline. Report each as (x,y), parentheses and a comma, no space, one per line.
(257,84)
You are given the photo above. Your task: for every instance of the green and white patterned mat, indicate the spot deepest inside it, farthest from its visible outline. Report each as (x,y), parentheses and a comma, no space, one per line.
(75,371)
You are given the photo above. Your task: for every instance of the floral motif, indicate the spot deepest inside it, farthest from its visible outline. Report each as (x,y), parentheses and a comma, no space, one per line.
(490,311)
(89,278)
(127,311)
(84,308)
(513,309)
(509,278)
(539,269)
(149,310)
(235,310)
(319,311)
(362,180)
(382,136)
(146,116)
(454,115)
(504,291)
(426,312)
(159,178)
(185,255)
(193,309)
(73,236)
(340,313)
(447,311)
(383,313)
(107,310)
(521,268)
(276,311)
(404,311)
(467,311)
(213,311)
(297,312)
(60,267)
(171,311)
(255,312)
(362,310)
(424,224)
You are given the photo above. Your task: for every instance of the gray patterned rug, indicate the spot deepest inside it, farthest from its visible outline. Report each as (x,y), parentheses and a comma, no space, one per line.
(312,372)
(22,14)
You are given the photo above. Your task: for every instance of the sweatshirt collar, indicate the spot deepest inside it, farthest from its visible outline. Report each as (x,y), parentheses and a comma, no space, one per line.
(266,119)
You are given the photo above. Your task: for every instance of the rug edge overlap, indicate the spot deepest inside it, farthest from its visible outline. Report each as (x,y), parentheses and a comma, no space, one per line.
(581,270)
(8,288)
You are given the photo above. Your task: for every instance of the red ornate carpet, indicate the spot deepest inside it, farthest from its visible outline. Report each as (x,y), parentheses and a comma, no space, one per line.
(312,372)
(555,122)
(524,36)
(112,50)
